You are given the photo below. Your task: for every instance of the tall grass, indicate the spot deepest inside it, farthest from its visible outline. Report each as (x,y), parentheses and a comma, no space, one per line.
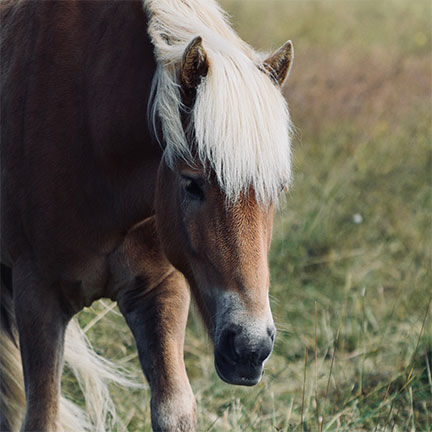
(351,253)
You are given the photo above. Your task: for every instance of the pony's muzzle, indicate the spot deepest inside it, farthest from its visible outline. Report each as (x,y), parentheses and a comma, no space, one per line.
(240,355)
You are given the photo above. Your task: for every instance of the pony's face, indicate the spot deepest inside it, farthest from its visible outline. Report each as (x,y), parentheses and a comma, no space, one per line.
(220,243)
(222,249)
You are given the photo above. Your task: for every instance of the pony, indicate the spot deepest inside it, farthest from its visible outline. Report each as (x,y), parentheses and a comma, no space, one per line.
(143,147)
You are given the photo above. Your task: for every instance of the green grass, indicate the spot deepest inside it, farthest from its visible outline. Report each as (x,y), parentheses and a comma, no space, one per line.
(351,300)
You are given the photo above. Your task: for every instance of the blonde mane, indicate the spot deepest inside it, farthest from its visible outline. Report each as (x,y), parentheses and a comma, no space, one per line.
(240,118)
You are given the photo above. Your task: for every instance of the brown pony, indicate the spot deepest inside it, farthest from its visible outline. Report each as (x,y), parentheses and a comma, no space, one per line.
(143,148)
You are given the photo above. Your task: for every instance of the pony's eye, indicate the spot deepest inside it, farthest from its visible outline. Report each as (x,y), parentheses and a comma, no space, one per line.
(284,188)
(193,188)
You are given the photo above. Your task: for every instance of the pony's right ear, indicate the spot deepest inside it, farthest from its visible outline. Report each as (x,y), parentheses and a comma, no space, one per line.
(194,65)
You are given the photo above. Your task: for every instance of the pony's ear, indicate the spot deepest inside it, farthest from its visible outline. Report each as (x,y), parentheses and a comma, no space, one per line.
(279,64)
(194,65)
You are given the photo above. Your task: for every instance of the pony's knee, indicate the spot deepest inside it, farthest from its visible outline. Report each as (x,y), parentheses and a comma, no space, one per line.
(176,414)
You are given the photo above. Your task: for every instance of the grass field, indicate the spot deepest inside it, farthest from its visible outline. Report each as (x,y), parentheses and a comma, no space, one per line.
(351,253)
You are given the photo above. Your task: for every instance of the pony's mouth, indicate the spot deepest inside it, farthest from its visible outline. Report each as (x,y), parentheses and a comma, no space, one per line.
(237,373)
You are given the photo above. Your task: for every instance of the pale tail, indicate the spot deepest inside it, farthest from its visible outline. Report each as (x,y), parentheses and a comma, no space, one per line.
(92,372)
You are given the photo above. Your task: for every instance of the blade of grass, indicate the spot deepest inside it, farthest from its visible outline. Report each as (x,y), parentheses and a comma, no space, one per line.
(319,423)
(303,389)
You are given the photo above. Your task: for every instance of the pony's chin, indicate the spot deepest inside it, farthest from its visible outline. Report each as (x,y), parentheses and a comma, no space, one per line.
(238,374)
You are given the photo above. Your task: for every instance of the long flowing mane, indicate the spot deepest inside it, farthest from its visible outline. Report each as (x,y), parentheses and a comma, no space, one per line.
(240,118)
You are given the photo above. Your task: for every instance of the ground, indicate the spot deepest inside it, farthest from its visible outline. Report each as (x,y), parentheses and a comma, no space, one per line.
(351,252)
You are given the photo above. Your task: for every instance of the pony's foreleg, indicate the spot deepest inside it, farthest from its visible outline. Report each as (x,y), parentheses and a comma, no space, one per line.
(41,323)
(155,303)
(158,323)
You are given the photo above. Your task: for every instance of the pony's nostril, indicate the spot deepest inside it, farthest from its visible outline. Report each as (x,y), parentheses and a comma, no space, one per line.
(235,347)
(271,331)
(227,344)
(266,349)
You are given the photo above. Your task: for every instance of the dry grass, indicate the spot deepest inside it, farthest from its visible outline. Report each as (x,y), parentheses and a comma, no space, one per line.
(351,256)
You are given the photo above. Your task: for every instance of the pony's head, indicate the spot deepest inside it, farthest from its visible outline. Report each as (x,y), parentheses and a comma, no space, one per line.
(226,159)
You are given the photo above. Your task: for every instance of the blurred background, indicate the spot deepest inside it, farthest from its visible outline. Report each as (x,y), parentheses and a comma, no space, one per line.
(351,252)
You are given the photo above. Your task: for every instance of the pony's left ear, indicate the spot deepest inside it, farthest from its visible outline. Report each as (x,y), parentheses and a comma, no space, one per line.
(279,64)
(194,65)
